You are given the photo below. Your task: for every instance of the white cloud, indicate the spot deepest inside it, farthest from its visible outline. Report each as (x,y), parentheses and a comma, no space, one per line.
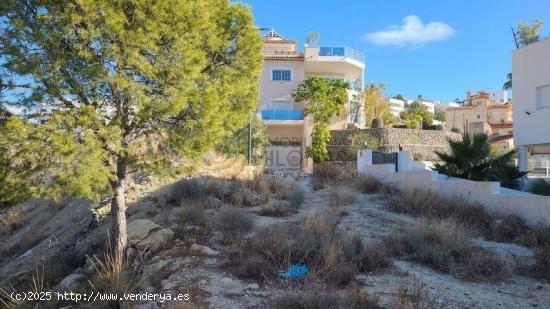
(411,32)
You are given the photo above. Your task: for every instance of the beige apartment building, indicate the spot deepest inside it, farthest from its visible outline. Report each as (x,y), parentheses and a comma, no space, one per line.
(288,129)
(482,114)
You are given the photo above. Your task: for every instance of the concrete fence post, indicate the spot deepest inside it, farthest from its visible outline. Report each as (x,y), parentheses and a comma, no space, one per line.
(403,161)
(364,159)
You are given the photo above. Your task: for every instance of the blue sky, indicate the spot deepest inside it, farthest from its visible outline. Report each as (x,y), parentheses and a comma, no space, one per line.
(450,47)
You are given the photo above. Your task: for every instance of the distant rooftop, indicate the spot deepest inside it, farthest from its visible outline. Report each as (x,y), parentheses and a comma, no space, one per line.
(274,37)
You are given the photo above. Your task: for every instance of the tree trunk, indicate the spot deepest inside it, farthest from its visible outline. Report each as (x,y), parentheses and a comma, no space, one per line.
(119,235)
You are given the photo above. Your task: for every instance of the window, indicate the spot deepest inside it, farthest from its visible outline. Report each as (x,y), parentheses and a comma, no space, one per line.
(478,116)
(543,97)
(281,74)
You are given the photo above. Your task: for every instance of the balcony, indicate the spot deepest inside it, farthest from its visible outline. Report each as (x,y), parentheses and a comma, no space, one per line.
(282,114)
(328,59)
(327,51)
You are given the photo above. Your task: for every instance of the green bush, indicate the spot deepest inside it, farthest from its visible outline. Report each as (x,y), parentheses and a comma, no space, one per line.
(540,186)
(361,141)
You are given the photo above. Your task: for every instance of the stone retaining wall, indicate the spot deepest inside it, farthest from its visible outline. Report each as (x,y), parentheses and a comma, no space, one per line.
(419,143)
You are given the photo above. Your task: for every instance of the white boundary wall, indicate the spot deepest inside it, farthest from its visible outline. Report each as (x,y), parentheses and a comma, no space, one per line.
(501,201)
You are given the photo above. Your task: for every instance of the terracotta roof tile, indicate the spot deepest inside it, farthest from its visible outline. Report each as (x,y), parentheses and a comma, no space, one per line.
(284,41)
(284,57)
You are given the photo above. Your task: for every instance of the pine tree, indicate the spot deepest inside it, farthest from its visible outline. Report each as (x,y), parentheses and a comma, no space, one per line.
(138,85)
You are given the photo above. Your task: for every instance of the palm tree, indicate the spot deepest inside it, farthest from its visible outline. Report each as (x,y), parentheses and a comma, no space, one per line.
(508,84)
(471,158)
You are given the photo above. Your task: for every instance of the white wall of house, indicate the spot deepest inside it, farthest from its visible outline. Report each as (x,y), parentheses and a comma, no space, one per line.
(279,90)
(396,106)
(531,108)
(531,87)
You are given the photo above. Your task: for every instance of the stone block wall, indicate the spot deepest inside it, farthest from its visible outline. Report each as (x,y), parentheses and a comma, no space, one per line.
(419,143)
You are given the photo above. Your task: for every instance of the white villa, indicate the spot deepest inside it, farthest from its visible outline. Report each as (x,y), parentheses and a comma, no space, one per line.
(289,132)
(531,89)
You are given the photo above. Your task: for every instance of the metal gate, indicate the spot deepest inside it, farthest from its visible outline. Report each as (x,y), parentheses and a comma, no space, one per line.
(384,158)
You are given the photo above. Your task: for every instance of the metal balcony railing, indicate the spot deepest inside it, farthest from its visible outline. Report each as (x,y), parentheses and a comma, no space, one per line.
(282,114)
(341,51)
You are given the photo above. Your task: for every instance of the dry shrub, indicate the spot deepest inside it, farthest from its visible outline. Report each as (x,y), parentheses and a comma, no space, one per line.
(270,250)
(368,257)
(483,265)
(111,275)
(369,184)
(233,223)
(351,298)
(353,245)
(193,215)
(542,266)
(217,188)
(326,173)
(186,189)
(426,203)
(537,236)
(296,197)
(439,244)
(315,244)
(37,285)
(445,246)
(341,196)
(322,222)
(511,228)
(277,185)
(259,185)
(277,209)
(12,218)
(374,257)
(413,296)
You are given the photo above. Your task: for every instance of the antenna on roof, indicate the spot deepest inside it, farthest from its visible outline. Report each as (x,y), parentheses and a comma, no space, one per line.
(312,38)
(515,39)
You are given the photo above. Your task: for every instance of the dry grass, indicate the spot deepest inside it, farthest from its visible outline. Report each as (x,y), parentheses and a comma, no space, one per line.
(277,209)
(327,174)
(110,274)
(187,189)
(260,185)
(483,265)
(193,215)
(350,298)
(12,218)
(477,264)
(445,246)
(233,223)
(542,266)
(369,184)
(374,257)
(426,203)
(509,229)
(341,196)
(331,257)
(296,197)
(36,286)
(413,296)
(322,222)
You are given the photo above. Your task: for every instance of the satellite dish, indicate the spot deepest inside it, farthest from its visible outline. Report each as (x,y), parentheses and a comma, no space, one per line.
(312,38)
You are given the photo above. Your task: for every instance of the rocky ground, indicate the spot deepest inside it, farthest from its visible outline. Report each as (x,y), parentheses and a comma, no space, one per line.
(187,268)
